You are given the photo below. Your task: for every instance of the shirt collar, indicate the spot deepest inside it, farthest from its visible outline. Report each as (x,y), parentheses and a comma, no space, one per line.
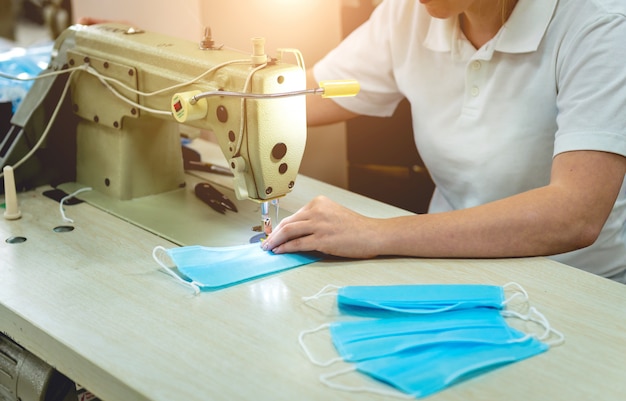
(528,23)
(522,33)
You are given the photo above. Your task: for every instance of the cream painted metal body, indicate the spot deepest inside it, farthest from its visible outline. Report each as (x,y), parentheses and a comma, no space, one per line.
(127,152)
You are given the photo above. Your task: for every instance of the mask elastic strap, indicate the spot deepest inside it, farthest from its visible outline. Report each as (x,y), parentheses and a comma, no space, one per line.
(525,318)
(417,311)
(542,321)
(324,292)
(308,352)
(549,329)
(521,292)
(327,380)
(194,286)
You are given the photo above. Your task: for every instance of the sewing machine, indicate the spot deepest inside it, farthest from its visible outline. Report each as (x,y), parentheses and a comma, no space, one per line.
(111,118)
(127,141)
(137,87)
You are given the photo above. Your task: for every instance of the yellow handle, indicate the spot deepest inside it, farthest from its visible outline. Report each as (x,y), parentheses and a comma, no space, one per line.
(340,88)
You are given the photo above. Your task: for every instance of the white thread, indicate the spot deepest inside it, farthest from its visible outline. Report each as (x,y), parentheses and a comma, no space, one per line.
(194,286)
(68,197)
(42,75)
(169,88)
(105,81)
(324,378)
(114,91)
(243,108)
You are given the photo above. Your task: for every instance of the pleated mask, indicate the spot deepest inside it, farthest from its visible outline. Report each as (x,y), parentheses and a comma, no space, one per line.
(430,340)
(211,268)
(432,369)
(363,339)
(421,298)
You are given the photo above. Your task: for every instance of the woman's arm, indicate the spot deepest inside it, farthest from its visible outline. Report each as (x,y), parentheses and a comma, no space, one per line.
(565,215)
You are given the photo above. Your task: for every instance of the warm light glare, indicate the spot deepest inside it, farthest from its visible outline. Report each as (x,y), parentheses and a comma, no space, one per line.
(270,293)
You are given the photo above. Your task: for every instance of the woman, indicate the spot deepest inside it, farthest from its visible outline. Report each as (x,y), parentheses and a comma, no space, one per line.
(519,113)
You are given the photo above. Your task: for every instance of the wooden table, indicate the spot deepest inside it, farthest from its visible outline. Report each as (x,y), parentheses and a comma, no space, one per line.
(93,303)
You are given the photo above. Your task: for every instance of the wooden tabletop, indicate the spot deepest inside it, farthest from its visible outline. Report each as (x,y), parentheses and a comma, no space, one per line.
(93,303)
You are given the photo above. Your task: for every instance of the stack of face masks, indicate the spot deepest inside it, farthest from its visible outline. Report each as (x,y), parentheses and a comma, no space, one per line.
(421,339)
(211,268)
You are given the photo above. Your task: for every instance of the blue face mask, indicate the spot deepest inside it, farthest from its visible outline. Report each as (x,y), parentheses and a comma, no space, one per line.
(421,298)
(208,268)
(358,340)
(418,374)
(436,341)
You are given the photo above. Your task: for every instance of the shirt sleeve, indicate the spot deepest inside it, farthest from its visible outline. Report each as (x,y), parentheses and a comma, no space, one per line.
(591,85)
(365,55)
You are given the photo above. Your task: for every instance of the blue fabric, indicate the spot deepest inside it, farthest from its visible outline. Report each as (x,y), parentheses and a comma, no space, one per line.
(216,267)
(359,340)
(21,62)
(437,367)
(420,298)
(427,337)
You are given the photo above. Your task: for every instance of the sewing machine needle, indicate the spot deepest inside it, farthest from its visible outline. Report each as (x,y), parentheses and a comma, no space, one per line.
(266,220)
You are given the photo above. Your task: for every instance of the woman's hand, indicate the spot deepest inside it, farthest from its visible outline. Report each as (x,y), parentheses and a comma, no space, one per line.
(325,226)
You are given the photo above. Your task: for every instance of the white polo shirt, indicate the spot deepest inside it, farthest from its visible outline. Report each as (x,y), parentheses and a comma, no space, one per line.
(488,122)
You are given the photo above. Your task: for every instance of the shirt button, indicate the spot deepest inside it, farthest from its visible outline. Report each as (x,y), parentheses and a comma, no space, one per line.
(475,91)
(476,65)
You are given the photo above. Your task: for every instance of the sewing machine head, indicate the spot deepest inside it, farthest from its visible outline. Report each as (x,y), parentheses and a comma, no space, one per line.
(128,141)
(132,149)
(119,130)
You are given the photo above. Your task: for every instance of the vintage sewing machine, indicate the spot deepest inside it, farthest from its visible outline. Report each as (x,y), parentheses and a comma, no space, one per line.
(129,91)
(127,151)
(137,87)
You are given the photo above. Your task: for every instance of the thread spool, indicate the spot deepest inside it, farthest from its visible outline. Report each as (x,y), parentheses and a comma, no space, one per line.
(12,210)
(258,51)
